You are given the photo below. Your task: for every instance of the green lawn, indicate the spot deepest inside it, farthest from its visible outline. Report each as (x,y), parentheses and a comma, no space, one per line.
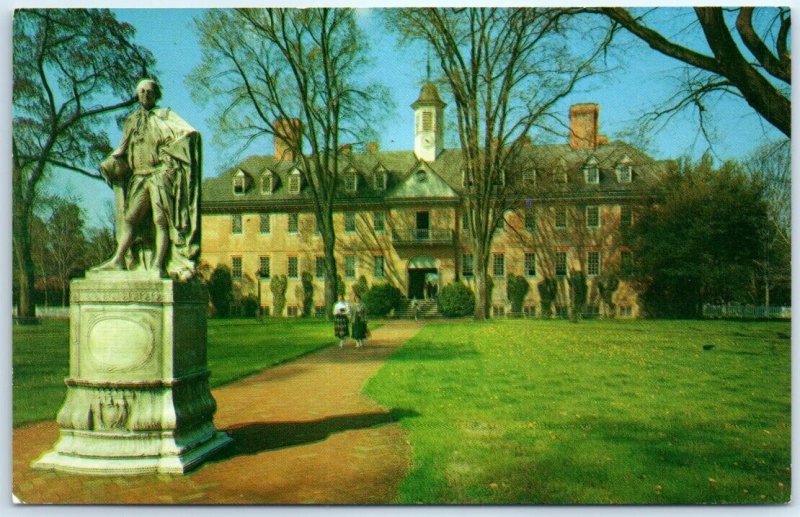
(597,412)
(236,348)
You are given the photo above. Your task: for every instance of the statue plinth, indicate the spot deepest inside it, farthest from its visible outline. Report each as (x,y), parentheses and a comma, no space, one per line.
(138,399)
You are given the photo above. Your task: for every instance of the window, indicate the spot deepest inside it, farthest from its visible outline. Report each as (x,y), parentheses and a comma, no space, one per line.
(625,173)
(380,180)
(268,183)
(292,311)
(465,221)
(561,217)
(378,221)
(292,268)
(350,222)
(319,311)
(529,176)
(592,217)
(350,181)
(529,310)
(625,262)
(592,175)
(239,183)
(236,223)
(294,182)
(264,223)
(593,263)
(499,310)
(236,267)
(467,265)
(530,220)
(293,223)
(561,263)
(263,267)
(499,265)
(350,266)
(427,120)
(320,267)
(530,264)
(625,216)
(379,272)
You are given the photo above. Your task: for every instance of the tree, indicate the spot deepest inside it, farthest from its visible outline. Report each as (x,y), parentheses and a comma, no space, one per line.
(517,288)
(754,61)
(66,243)
(771,165)
(266,67)
(72,68)
(505,69)
(702,242)
(278,285)
(220,290)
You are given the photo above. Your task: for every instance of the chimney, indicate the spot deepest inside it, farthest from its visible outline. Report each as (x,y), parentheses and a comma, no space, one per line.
(583,121)
(346,149)
(372,147)
(287,137)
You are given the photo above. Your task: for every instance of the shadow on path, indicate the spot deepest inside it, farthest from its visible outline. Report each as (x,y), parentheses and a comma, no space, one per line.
(256,437)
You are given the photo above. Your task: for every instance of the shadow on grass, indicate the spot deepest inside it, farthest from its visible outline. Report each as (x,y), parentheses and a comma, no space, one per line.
(256,437)
(435,352)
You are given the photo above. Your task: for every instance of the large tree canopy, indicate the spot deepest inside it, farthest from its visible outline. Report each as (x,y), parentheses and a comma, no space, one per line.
(748,54)
(704,242)
(72,69)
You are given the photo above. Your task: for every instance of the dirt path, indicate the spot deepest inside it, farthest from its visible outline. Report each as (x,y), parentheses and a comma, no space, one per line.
(303,433)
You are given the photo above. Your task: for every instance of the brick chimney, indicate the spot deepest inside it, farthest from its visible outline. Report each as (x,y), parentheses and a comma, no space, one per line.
(287,137)
(372,147)
(583,122)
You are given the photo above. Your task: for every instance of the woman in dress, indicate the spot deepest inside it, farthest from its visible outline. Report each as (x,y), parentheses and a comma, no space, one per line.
(341,320)
(359,322)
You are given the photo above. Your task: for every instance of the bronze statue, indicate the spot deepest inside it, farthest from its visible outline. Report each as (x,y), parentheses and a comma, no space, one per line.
(156,173)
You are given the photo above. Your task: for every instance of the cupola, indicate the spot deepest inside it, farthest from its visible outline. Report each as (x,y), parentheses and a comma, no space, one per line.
(428,123)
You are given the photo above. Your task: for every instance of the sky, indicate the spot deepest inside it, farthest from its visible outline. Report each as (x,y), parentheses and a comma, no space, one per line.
(640,79)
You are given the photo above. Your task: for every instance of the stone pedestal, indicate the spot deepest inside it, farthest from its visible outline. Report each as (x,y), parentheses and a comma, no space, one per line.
(137,399)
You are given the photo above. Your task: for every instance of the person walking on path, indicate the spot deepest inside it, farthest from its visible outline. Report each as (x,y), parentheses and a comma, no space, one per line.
(341,320)
(359,322)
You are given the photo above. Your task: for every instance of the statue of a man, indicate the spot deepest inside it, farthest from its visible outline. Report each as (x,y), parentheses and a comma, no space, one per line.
(157,170)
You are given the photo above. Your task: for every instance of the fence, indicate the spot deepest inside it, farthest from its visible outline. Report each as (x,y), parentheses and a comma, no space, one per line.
(747,312)
(47,312)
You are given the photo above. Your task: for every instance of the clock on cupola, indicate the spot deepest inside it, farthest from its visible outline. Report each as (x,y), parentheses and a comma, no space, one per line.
(428,123)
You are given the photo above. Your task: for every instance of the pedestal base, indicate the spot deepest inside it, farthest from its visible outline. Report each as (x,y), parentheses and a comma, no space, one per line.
(138,399)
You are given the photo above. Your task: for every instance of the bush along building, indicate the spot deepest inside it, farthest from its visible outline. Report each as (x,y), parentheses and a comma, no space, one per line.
(400,220)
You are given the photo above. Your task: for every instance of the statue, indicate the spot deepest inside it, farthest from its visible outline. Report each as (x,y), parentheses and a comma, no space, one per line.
(155,173)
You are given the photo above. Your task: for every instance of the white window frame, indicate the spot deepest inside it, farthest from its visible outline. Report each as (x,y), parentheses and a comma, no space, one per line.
(559,210)
(467,265)
(265,224)
(264,266)
(293,216)
(237,270)
(348,218)
(292,260)
(593,263)
(498,264)
(379,272)
(589,218)
(592,175)
(350,273)
(529,263)
(562,256)
(237,224)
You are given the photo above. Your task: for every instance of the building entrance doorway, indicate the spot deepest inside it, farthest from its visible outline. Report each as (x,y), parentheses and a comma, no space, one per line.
(422,271)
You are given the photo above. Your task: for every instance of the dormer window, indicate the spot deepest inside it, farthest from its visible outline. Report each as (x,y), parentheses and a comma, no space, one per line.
(625,170)
(529,176)
(268,182)
(380,179)
(592,175)
(420,176)
(351,181)
(240,182)
(294,182)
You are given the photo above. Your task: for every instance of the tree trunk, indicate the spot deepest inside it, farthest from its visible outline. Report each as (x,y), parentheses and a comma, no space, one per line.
(329,243)
(481,301)
(26,307)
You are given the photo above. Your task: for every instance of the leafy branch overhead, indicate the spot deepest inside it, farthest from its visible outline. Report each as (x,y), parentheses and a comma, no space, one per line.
(758,68)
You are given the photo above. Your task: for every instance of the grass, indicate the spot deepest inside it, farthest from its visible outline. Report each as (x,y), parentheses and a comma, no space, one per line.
(599,412)
(236,348)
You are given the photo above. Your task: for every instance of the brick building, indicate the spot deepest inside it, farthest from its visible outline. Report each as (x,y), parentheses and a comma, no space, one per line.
(399,217)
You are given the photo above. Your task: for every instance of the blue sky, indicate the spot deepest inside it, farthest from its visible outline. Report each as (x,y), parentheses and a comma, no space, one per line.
(639,81)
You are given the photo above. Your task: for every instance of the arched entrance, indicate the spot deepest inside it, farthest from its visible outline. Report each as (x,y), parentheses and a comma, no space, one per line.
(421,270)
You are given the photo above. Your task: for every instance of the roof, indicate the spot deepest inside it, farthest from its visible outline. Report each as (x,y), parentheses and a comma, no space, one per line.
(550,162)
(428,96)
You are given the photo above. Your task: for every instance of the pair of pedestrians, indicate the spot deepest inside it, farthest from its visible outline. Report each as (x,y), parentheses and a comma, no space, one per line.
(343,312)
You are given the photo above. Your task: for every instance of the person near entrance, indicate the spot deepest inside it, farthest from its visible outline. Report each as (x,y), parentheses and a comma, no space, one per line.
(360,331)
(341,320)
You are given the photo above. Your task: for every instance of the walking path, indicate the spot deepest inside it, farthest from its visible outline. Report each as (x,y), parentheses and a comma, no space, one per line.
(303,433)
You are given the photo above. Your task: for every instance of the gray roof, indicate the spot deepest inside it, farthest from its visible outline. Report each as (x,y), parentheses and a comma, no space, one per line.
(548,160)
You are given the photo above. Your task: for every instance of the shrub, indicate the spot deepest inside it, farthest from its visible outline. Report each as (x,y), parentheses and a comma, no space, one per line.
(308,293)
(361,287)
(278,287)
(456,299)
(577,284)
(220,290)
(606,287)
(339,286)
(249,306)
(516,288)
(547,293)
(381,299)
